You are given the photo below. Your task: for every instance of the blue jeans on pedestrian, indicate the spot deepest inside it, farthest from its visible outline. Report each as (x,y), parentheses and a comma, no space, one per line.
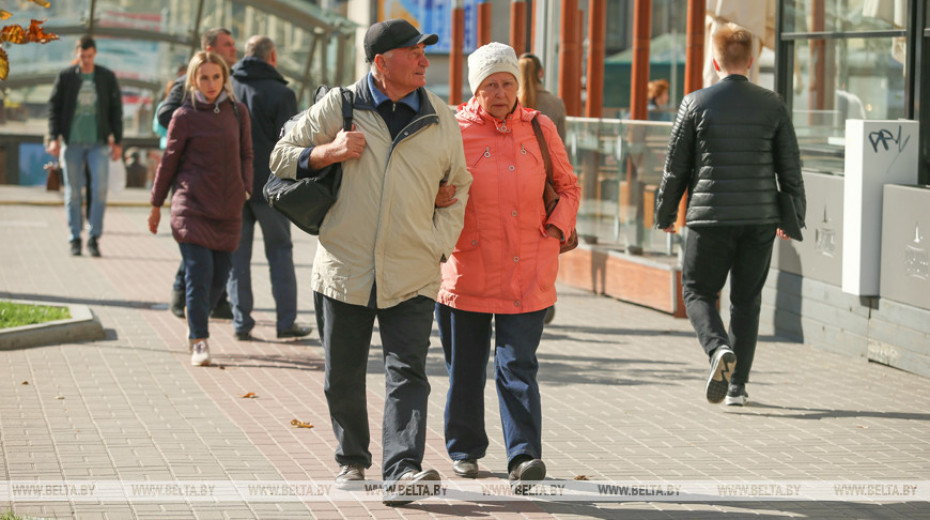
(345,331)
(72,168)
(711,253)
(206,272)
(279,251)
(466,343)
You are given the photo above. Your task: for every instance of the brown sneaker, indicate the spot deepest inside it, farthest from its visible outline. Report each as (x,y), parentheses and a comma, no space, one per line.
(412,486)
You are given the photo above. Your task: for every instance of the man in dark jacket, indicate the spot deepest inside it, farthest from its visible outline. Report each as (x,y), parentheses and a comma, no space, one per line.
(733,147)
(271,103)
(85,118)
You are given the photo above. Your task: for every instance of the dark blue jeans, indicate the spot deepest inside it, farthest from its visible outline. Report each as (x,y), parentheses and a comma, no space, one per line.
(206,272)
(710,255)
(466,342)
(346,334)
(279,251)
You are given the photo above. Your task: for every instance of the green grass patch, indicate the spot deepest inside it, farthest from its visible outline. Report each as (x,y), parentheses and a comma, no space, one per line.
(19,314)
(9,514)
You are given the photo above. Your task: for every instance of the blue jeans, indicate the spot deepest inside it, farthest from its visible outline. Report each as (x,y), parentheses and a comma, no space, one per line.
(466,342)
(206,271)
(712,253)
(279,250)
(346,334)
(72,168)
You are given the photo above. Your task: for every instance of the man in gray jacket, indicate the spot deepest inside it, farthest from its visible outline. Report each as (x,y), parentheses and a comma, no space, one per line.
(380,247)
(733,147)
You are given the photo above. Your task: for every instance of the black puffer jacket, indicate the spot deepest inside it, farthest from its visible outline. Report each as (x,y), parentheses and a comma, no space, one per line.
(729,144)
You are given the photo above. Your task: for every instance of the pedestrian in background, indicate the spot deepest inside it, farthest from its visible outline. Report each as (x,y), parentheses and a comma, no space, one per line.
(380,247)
(532,93)
(657,92)
(209,161)
(733,147)
(263,90)
(220,41)
(85,122)
(503,268)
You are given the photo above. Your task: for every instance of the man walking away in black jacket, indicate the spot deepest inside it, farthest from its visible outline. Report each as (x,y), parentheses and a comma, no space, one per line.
(732,147)
(271,103)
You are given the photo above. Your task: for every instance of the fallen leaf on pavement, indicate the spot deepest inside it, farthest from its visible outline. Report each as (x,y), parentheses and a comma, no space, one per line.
(250,395)
(581,477)
(59,397)
(25,382)
(300,424)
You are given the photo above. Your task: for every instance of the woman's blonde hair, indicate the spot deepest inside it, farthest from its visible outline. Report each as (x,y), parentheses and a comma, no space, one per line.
(201,57)
(529,80)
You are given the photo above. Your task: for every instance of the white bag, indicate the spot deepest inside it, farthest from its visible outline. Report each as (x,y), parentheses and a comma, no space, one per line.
(116,174)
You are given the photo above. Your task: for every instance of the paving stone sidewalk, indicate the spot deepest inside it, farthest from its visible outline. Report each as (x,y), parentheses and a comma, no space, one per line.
(622,390)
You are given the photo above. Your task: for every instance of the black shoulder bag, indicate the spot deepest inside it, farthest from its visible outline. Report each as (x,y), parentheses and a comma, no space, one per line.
(306,201)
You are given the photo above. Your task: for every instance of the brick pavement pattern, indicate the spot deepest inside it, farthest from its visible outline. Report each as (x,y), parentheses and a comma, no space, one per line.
(622,390)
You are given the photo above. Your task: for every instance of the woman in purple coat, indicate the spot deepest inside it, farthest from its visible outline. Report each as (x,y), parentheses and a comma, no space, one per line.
(208,159)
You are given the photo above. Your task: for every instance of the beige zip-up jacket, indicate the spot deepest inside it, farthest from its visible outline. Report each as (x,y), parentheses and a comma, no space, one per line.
(384,227)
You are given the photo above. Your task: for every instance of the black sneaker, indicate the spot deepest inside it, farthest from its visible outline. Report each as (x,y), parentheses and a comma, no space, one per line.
(722,363)
(244,336)
(294,331)
(76,247)
(736,395)
(92,247)
(222,311)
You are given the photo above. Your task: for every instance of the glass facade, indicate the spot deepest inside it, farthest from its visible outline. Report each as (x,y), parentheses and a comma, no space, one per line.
(619,166)
(144,43)
(852,59)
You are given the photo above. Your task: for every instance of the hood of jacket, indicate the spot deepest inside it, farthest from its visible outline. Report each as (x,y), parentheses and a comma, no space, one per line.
(472,112)
(252,68)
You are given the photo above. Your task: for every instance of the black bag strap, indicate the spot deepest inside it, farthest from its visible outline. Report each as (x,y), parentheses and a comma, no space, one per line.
(544,149)
(348,99)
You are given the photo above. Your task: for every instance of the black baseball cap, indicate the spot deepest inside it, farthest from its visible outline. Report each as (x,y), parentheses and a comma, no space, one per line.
(393,34)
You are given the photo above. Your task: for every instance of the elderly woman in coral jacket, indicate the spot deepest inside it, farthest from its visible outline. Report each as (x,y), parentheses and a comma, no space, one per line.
(503,268)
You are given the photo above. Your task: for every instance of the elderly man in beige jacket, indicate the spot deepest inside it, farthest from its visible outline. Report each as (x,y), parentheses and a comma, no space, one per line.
(380,247)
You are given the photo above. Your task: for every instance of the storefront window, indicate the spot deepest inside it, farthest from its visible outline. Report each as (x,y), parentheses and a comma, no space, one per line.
(842,79)
(844,15)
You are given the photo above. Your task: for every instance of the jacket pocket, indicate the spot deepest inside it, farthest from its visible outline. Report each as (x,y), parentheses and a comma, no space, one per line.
(470,238)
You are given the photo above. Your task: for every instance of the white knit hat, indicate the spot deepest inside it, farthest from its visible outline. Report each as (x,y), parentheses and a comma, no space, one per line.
(490,59)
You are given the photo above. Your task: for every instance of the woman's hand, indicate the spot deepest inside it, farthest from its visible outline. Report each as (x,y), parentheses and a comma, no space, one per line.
(154,219)
(553,231)
(446,195)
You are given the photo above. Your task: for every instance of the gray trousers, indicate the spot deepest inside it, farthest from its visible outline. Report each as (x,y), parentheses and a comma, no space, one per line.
(346,332)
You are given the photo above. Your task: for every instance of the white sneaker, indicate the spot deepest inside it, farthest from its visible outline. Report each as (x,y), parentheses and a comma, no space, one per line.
(200,354)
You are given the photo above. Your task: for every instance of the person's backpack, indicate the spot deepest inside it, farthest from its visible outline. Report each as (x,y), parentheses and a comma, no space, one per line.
(305,202)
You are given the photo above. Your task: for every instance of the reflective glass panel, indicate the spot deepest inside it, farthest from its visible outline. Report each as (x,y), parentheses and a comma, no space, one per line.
(836,80)
(843,15)
(619,166)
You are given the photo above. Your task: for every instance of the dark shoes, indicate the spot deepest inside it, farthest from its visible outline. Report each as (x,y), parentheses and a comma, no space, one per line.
(467,468)
(222,311)
(412,486)
(92,247)
(244,336)
(178,302)
(526,474)
(350,476)
(722,363)
(76,247)
(736,395)
(294,331)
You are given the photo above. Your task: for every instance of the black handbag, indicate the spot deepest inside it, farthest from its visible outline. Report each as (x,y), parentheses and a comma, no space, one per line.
(306,201)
